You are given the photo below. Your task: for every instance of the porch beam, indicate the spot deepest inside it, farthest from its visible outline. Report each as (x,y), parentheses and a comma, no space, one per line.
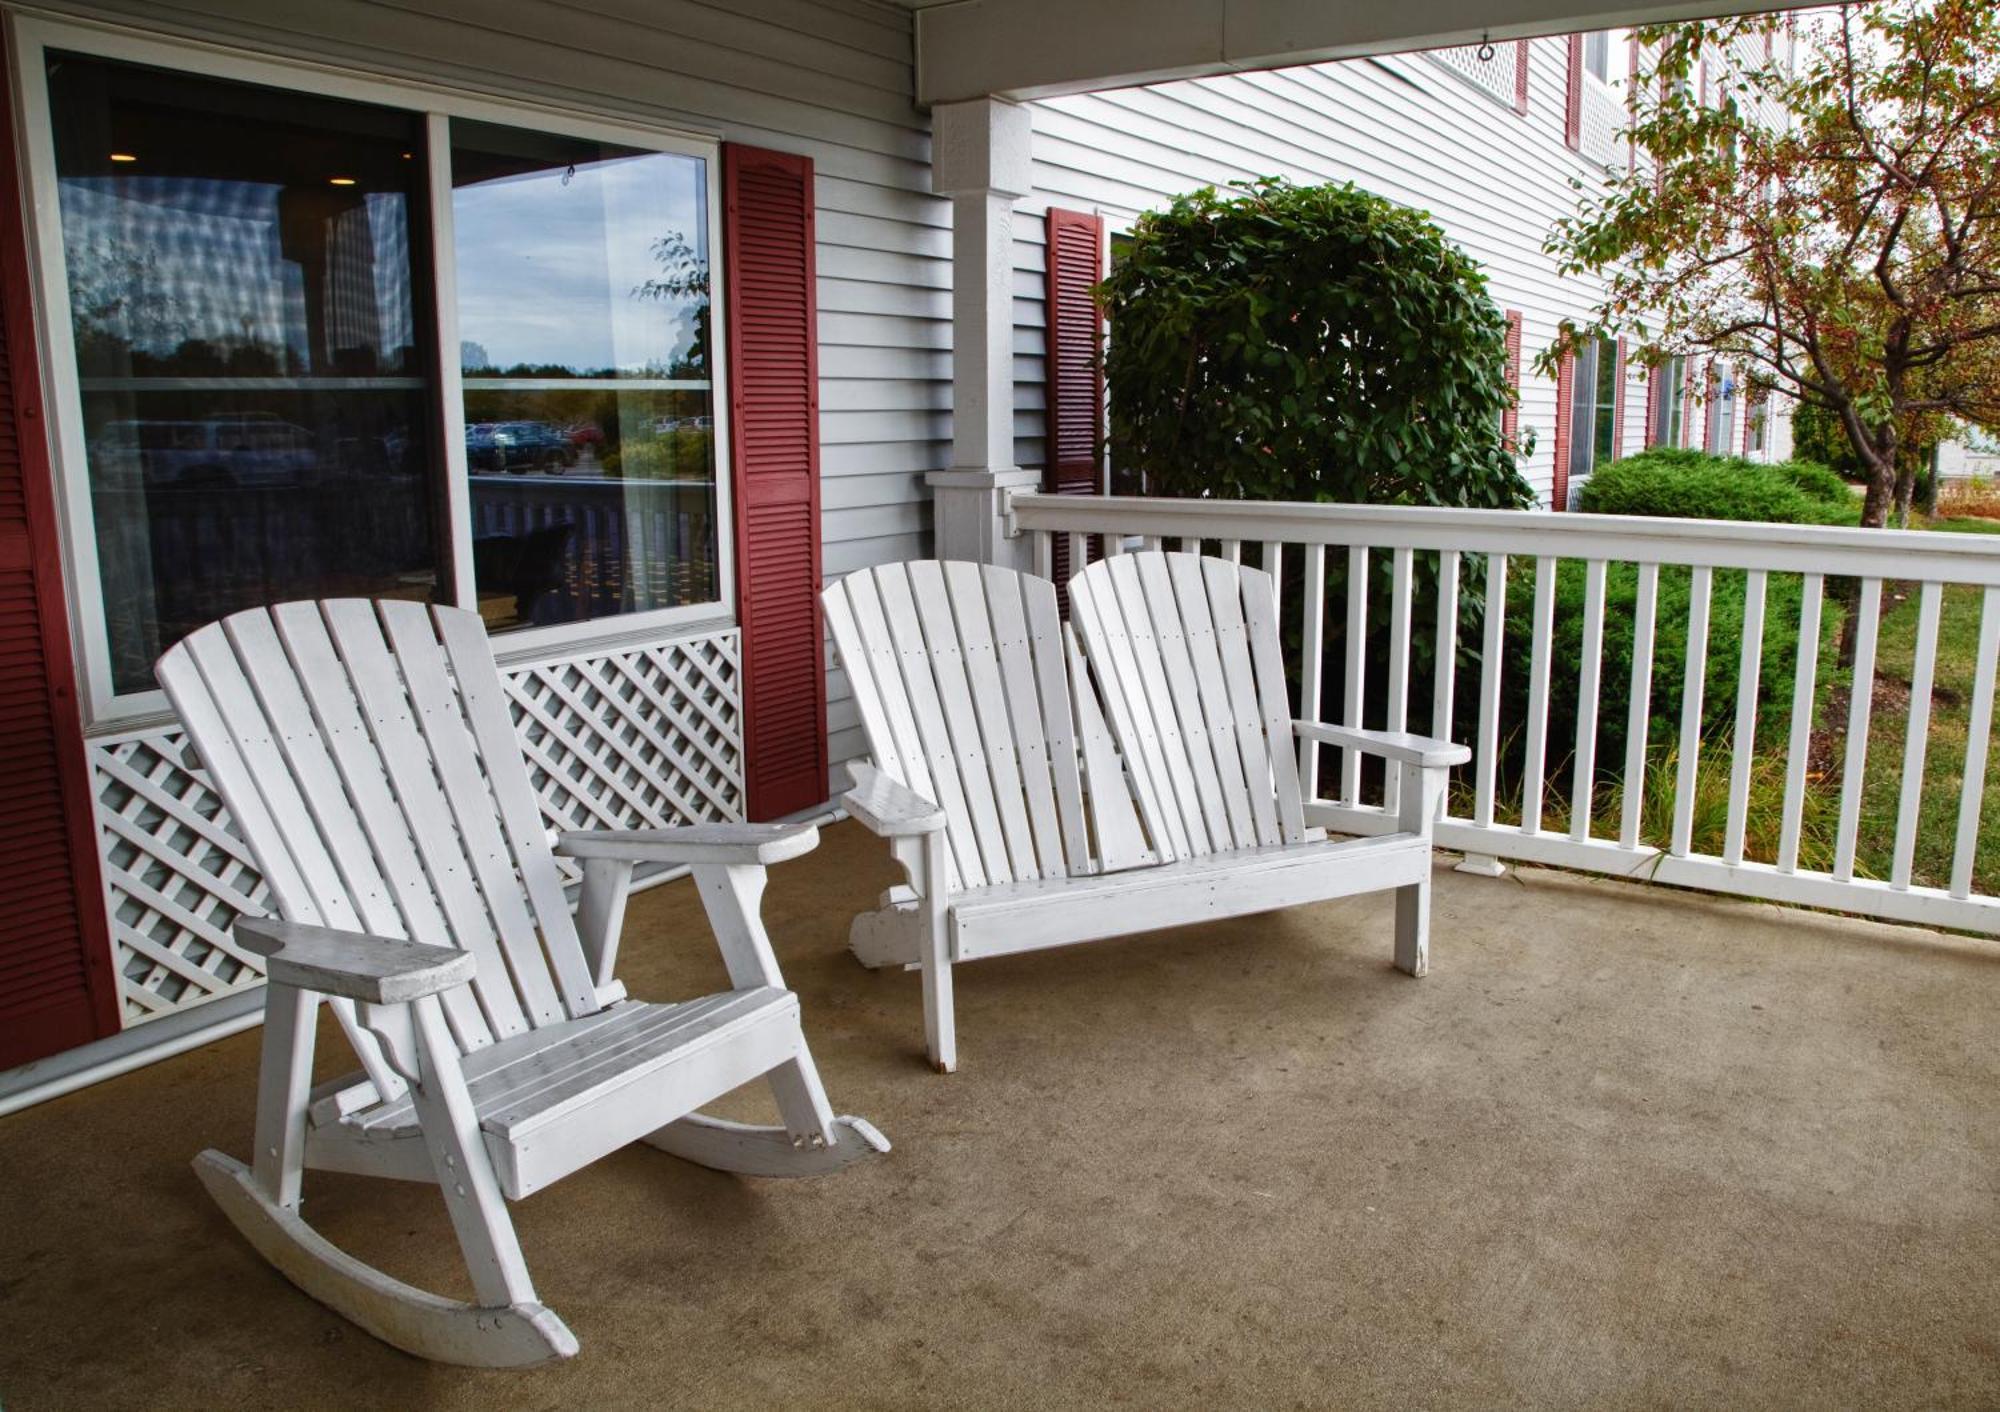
(1024,49)
(980,159)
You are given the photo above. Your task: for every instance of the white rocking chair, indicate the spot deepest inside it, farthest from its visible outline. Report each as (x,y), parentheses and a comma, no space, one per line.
(366,752)
(978,705)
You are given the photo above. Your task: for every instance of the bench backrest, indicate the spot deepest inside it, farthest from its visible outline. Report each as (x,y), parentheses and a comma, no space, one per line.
(959,673)
(1185,654)
(367,754)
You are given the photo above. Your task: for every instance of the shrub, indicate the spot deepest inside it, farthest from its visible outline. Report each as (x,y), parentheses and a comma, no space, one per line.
(1308,343)
(1694,485)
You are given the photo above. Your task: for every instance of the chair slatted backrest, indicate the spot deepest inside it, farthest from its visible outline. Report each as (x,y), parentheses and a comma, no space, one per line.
(960,674)
(1185,653)
(367,754)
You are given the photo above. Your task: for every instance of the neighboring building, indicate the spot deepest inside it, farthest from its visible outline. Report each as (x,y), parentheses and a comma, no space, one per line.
(247,229)
(1973,456)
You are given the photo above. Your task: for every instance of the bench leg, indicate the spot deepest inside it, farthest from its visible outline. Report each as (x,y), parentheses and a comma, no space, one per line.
(1420,798)
(934,955)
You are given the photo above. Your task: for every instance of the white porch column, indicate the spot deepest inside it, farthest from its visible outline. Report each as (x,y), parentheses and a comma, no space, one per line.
(979,158)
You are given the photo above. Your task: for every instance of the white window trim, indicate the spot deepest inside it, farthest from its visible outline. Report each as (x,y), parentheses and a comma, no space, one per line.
(29,37)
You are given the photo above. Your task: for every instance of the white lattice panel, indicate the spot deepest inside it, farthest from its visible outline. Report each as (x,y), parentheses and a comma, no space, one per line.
(1603,119)
(641,737)
(1495,75)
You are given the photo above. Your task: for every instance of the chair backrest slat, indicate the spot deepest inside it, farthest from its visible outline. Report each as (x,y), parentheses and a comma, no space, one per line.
(366,753)
(1187,652)
(960,680)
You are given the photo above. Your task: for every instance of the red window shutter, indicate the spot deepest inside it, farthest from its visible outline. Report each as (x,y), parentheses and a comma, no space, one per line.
(1565,385)
(1654,377)
(1573,107)
(1631,92)
(1075,263)
(772,323)
(1618,404)
(56,986)
(1076,334)
(1510,420)
(1523,55)
(1708,389)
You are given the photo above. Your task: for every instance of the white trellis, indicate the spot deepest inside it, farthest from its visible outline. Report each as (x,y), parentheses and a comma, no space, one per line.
(636,737)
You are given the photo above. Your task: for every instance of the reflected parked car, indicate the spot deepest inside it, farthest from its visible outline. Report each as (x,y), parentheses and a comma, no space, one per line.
(527,446)
(246,450)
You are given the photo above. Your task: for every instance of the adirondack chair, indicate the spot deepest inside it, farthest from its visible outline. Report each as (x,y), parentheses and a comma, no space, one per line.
(1010,812)
(366,753)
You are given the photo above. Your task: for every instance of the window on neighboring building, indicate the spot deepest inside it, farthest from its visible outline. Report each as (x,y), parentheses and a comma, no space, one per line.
(1722,412)
(1593,408)
(277,398)
(1759,424)
(1668,403)
(1597,55)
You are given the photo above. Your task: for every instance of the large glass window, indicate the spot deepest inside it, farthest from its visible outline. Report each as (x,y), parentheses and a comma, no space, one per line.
(1593,408)
(583,309)
(249,301)
(1667,406)
(276,396)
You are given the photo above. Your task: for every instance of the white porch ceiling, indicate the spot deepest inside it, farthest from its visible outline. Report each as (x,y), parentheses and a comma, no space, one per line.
(1039,48)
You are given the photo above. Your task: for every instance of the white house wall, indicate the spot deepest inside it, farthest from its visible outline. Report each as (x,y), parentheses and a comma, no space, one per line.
(1405,127)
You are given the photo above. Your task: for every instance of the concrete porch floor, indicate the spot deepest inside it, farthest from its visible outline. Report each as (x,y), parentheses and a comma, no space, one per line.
(1624,1147)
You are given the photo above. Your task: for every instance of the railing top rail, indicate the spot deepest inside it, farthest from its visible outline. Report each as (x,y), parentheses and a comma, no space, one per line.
(1943,557)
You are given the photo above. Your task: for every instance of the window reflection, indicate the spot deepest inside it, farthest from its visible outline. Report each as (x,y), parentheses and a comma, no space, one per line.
(244,290)
(589,417)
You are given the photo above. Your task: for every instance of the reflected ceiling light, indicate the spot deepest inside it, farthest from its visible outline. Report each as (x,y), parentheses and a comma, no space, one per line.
(123,157)
(341,181)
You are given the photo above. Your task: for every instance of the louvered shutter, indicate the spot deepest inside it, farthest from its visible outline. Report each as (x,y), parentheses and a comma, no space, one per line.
(1522,55)
(56,987)
(1510,420)
(1618,404)
(1075,263)
(774,441)
(1573,102)
(1565,390)
(1654,378)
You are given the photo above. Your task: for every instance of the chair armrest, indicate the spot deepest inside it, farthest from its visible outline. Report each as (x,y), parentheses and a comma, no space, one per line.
(353,965)
(693,843)
(887,808)
(1399,746)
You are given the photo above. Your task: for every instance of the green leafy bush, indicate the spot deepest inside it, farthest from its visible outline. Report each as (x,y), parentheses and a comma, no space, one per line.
(1694,485)
(1312,343)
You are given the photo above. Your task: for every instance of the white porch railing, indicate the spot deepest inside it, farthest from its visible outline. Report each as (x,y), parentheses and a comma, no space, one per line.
(1640,803)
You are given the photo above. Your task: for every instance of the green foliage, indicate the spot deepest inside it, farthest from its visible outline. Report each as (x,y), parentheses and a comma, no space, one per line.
(1695,485)
(1309,343)
(1817,435)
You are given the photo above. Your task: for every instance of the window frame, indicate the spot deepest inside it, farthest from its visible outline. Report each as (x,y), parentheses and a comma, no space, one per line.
(29,40)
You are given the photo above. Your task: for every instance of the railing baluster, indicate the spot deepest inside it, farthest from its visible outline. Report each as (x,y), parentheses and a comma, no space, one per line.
(1398,707)
(1749,668)
(1923,674)
(1079,552)
(1312,663)
(1274,565)
(1697,675)
(1446,677)
(1860,698)
(1357,633)
(1978,735)
(1189,546)
(1583,786)
(1799,749)
(1044,546)
(1489,690)
(1639,711)
(1232,550)
(1532,775)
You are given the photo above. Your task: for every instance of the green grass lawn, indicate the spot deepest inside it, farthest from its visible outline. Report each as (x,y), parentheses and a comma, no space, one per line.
(1944,758)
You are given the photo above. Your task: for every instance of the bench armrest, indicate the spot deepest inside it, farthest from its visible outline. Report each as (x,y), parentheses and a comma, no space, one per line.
(1399,746)
(693,843)
(381,970)
(887,808)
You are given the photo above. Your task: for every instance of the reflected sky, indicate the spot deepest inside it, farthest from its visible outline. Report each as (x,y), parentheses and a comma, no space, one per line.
(551,261)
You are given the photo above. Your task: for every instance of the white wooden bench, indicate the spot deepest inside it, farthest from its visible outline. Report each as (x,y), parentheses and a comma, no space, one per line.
(366,753)
(1010,804)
